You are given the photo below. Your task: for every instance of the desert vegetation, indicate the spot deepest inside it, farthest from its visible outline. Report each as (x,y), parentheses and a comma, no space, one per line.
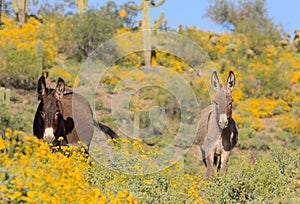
(57,40)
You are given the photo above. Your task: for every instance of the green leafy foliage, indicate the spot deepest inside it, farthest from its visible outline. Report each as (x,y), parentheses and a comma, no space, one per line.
(247,17)
(257,179)
(82,34)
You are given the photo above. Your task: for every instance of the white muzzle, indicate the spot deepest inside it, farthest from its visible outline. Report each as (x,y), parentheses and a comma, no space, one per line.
(223,122)
(49,135)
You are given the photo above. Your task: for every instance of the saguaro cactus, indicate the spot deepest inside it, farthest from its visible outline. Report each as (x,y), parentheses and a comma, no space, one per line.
(158,22)
(20,8)
(39,57)
(136,122)
(296,40)
(146,28)
(81,4)
(4,107)
(4,97)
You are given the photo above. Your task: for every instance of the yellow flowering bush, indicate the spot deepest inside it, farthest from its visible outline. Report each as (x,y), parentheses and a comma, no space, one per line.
(31,173)
(295,77)
(71,79)
(25,37)
(133,164)
(290,122)
(248,121)
(263,107)
(249,112)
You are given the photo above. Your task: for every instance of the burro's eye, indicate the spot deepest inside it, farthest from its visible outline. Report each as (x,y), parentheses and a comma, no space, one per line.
(216,103)
(42,114)
(56,114)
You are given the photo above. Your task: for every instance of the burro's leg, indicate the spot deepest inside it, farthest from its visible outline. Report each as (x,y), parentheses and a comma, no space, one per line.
(223,161)
(209,165)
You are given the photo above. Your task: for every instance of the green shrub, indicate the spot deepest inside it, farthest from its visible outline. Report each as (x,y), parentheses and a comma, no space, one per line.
(107,119)
(246,133)
(268,180)
(98,105)
(4,117)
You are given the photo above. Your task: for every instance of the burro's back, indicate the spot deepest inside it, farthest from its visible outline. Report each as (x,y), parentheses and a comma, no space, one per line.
(217,131)
(77,108)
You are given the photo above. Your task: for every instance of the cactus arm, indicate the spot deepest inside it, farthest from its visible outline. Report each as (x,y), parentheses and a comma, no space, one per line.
(20,7)
(159,21)
(40,57)
(81,5)
(136,8)
(7,98)
(19,4)
(4,97)
(15,6)
(26,4)
(158,4)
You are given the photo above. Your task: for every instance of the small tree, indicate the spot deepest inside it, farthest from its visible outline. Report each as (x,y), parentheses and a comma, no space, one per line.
(248,17)
(93,27)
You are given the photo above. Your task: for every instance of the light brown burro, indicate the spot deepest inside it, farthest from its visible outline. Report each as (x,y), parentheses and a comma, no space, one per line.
(217,131)
(65,114)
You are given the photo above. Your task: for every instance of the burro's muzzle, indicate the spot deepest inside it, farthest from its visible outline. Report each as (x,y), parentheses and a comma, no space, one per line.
(223,121)
(49,135)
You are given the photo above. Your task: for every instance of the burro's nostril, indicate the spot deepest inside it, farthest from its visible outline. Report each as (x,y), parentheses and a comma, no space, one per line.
(48,135)
(226,124)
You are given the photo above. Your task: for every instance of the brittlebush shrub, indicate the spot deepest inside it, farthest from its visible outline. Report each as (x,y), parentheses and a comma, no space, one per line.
(250,111)
(290,122)
(29,172)
(71,79)
(263,108)
(246,120)
(138,167)
(19,63)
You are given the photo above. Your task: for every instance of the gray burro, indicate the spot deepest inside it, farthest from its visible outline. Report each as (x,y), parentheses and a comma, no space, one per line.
(217,131)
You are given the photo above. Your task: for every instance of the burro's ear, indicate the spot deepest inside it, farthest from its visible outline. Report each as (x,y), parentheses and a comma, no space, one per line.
(230,81)
(42,89)
(59,89)
(215,81)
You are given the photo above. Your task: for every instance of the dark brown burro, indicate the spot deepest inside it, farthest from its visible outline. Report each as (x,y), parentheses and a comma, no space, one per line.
(217,132)
(63,113)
